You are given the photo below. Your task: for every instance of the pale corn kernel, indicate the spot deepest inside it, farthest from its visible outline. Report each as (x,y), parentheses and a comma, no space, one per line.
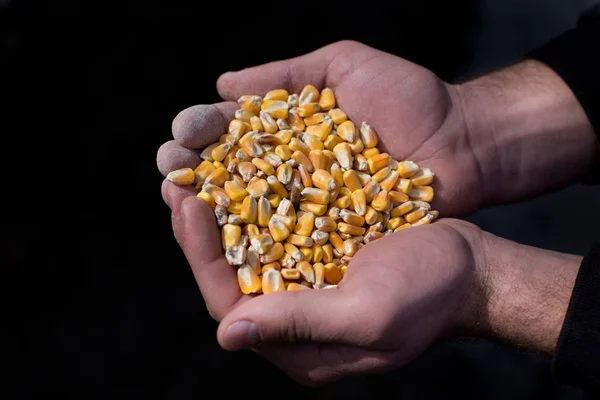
(315,208)
(182,177)
(337,115)
(276,186)
(272,281)
(235,191)
(206,153)
(312,142)
(293,251)
(368,135)
(332,274)
(423,193)
(421,203)
(299,241)
(377,227)
(315,195)
(308,109)
(381,202)
(307,252)
(352,218)
(242,155)
(284,152)
(381,174)
(264,212)
(351,180)
(316,119)
(327,100)
(277,94)
(251,147)
(294,287)
(406,169)
(273,159)
(378,162)
(350,247)
(274,253)
(347,131)
(292,100)
(360,162)
(263,166)
(262,242)
(305,224)
(268,123)
(284,207)
(237,128)
(234,219)
(221,198)
(343,154)
(368,153)
(415,215)
(372,236)
(297,145)
(257,188)
(371,216)
(232,164)
(331,141)
(295,121)
(423,177)
(236,255)
(404,185)
(394,223)
(243,115)
(287,261)
(309,94)
(325,224)
(427,218)
(272,265)
(389,181)
(285,219)
(403,226)
(250,103)
(207,199)
(248,279)
(319,237)
(359,201)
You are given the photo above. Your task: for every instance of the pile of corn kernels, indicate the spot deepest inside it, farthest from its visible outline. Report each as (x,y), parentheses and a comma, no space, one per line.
(298,189)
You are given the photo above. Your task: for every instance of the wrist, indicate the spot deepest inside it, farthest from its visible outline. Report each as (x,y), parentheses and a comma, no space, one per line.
(527,130)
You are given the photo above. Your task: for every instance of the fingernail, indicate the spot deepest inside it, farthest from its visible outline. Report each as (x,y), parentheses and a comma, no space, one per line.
(242,335)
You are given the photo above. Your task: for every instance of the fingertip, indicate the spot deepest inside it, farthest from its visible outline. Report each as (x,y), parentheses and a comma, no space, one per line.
(198,126)
(225,84)
(170,156)
(242,334)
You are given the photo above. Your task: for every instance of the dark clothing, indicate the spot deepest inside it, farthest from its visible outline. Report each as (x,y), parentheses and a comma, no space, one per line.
(575,56)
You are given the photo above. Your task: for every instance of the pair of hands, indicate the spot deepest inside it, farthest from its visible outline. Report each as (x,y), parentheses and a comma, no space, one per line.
(400,293)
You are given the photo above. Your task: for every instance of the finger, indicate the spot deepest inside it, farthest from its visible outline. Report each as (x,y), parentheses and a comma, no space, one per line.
(198,126)
(324,315)
(316,364)
(173,195)
(172,156)
(291,74)
(198,235)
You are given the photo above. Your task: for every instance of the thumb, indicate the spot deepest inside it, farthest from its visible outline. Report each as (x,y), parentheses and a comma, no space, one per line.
(323,315)
(291,74)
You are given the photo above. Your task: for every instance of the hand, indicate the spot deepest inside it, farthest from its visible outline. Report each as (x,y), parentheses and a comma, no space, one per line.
(417,116)
(399,295)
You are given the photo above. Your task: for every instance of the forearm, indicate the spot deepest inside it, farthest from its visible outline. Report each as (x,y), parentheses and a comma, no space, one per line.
(527,293)
(527,130)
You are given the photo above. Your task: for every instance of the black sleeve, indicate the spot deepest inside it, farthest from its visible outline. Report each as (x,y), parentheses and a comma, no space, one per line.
(577,357)
(575,56)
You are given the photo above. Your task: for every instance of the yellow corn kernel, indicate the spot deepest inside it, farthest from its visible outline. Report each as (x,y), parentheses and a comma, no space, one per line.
(394,223)
(327,252)
(206,153)
(325,224)
(426,220)
(356,146)
(274,199)
(305,224)
(250,103)
(336,240)
(318,159)
(279,231)
(251,146)
(283,137)
(309,94)
(317,252)
(293,251)
(246,170)
(298,145)
(343,154)
(397,197)
(378,227)
(262,242)
(319,272)
(351,180)
(207,199)
(243,115)
(406,169)
(402,209)
(423,177)
(344,191)
(264,211)
(237,128)
(306,270)
(203,170)
(249,211)
(331,141)
(421,203)
(423,193)
(404,185)
(371,190)
(372,236)
(315,208)
(342,202)
(359,201)
(287,261)
(268,123)
(337,116)
(389,181)
(368,135)
(277,94)
(230,235)
(315,195)
(312,142)
(343,269)
(273,265)
(234,207)
(381,174)
(284,152)
(381,202)
(295,121)
(272,281)
(235,191)
(308,109)
(274,253)
(250,230)
(316,119)
(378,162)
(182,177)
(327,100)
(256,124)
(350,229)
(294,287)
(347,131)
(289,273)
(321,131)
(368,153)
(323,180)
(218,164)
(277,187)
(371,216)
(275,108)
(403,226)
(299,241)
(257,188)
(263,166)
(248,279)
(415,215)
(434,213)
(332,275)
(360,162)
(352,218)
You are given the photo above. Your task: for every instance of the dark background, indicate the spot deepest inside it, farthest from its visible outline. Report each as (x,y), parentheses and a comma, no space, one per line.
(98,301)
